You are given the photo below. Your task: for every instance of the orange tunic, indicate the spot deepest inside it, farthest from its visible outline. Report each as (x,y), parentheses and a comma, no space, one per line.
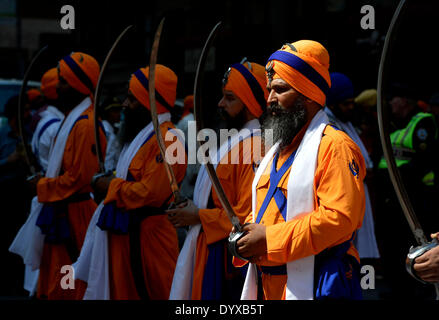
(79,164)
(339,208)
(159,243)
(236,180)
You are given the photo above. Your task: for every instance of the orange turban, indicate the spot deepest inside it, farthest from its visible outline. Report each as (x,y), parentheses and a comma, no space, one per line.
(49,81)
(165,85)
(249,85)
(33,94)
(81,72)
(303,65)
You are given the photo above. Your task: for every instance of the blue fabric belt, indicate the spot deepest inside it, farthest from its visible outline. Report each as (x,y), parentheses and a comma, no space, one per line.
(274,270)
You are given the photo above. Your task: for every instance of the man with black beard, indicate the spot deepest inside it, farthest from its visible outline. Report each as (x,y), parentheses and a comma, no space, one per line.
(211,276)
(308,190)
(142,243)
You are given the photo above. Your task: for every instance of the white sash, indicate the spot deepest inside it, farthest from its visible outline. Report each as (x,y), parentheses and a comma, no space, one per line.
(300,201)
(29,241)
(183,275)
(92,264)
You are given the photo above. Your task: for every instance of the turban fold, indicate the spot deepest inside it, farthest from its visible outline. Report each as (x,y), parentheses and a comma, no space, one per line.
(341,89)
(249,85)
(81,71)
(304,66)
(165,87)
(49,80)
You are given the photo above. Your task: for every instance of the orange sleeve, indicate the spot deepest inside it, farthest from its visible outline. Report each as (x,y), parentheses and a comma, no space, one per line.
(79,164)
(152,186)
(236,180)
(339,203)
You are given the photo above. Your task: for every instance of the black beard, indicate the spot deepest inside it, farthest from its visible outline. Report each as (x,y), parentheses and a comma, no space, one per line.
(285,123)
(133,122)
(69,99)
(237,122)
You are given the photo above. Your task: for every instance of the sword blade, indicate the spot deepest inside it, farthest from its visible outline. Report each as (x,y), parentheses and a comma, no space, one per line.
(21,99)
(198,87)
(383,119)
(97,96)
(152,103)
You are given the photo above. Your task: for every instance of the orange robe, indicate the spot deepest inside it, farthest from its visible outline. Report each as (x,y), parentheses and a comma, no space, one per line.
(79,164)
(236,180)
(159,243)
(339,208)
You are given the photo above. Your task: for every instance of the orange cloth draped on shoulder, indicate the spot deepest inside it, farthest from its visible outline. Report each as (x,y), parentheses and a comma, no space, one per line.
(311,73)
(236,178)
(339,208)
(165,85)
(81,71)
(159,243)
(79,164)
(252,91)
(49,80)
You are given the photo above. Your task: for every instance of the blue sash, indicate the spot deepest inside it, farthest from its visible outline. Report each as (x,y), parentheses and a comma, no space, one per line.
(273,190)
(337,274)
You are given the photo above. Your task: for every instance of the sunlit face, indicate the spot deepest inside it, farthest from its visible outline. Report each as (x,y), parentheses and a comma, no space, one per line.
(281,93)
(231,104)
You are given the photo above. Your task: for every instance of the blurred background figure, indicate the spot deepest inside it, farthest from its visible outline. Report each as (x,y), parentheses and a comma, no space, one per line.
(111,119)
(413,137)
(50,119)
(340,109)
(14,197)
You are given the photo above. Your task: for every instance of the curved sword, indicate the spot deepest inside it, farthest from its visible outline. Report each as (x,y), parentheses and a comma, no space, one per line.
(395,176)
(27,150)
(152,103)
(216,184)
(97,95)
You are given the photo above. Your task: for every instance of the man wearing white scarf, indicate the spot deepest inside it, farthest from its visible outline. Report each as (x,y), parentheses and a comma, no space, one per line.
(204,269)
(339,108)
(308,196)
(53,234)
(140,244)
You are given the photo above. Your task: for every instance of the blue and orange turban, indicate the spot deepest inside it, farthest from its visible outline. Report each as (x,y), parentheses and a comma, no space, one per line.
(49,80)
(165,87)
(81,71)
(303,65)
(247,81)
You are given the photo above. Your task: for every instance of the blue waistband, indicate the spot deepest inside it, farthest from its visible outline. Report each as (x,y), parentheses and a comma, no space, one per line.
(274,270)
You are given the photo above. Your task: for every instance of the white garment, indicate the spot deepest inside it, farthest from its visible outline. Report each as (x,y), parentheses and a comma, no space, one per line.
(112,152)
(183,275)
(41,146)
(29,241)
(300,201)
(365,241)
(92,264)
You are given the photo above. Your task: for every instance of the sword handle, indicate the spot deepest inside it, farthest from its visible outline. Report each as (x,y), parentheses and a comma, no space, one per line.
(232,243)
(418,251)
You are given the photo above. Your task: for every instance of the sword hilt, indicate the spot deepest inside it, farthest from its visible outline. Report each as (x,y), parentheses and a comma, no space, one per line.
(232,243)
(418,251)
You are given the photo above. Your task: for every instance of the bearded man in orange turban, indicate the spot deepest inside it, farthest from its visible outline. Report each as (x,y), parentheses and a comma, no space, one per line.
(64,205)
(142,244)
(308,193)
(211,276)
